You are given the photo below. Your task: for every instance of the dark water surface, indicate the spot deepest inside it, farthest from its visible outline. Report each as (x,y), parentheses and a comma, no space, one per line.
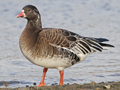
(94,18)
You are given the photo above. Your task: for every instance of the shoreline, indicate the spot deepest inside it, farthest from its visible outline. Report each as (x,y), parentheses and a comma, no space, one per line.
(87,86)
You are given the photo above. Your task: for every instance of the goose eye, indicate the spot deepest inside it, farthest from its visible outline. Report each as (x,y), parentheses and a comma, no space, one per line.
(36,11)
(29,10)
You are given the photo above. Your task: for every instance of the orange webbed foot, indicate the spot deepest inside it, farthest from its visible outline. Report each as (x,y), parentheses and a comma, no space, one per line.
(43,77)
(41,84)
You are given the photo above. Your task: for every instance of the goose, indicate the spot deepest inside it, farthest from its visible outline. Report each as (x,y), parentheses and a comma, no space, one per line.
(54,47)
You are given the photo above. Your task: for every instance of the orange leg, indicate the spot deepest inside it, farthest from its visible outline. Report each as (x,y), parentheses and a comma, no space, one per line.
(61,77)
(43,77)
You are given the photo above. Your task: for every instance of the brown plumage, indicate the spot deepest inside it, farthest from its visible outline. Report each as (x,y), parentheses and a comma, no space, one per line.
(54,48)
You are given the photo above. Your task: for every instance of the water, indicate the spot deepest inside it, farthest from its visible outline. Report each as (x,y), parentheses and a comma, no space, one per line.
(94,18)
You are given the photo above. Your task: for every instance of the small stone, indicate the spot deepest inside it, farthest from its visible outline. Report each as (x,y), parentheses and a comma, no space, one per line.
(111,82)
(2,88)
(118,82)
(86,83)
(52,84)
(68,84)
(107,86)
(31,88)
(74,84)
(92,83)
(27,85)
(102,82)
(6,85)
(97,88)
(56,83)
(34,83)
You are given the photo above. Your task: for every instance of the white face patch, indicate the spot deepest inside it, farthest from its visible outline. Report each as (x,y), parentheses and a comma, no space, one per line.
(24,13)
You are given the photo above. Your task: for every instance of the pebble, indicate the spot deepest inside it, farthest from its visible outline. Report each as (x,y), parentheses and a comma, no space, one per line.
(27,85)
(54,84)
(111,82)
(97,88)
(34,83)
(68,84)
(92,83)
(74,84)
(101,83)
(6,85)
(107,86)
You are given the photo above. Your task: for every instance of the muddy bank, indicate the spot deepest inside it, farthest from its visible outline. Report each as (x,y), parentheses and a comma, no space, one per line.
(87,86)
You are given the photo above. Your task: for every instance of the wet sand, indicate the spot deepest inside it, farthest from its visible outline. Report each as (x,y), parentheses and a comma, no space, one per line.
(87,86)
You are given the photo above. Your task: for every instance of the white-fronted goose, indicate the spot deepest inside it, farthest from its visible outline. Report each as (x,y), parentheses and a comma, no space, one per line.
(54,48)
